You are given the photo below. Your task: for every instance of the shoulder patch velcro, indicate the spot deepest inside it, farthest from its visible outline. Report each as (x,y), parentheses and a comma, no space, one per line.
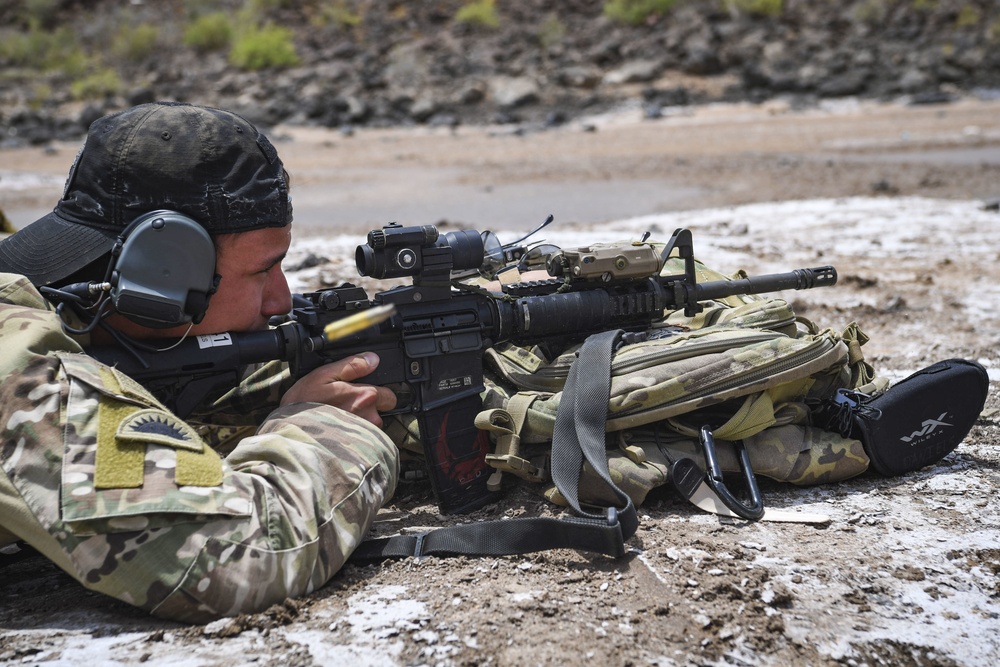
(118,464)
(120,458)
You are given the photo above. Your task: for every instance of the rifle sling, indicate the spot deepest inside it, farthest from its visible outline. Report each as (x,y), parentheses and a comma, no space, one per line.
(579,434)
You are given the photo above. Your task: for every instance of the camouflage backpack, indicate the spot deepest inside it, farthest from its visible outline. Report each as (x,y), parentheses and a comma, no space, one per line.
(746,366)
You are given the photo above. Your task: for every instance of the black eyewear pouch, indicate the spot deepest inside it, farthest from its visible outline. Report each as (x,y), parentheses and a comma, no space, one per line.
(922,418)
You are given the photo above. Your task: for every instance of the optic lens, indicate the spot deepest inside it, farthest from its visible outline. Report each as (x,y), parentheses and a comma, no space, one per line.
(493,256)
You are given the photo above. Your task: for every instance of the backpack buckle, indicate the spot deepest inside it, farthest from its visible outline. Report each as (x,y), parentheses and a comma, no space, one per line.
(751,510)
(531,470)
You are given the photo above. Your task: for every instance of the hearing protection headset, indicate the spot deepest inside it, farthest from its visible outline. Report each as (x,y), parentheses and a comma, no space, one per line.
(162,271)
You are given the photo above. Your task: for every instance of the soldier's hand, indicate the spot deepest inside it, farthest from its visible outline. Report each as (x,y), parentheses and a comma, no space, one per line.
(333,384)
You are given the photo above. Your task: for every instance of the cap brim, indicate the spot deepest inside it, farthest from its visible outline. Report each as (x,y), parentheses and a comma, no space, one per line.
(51,249)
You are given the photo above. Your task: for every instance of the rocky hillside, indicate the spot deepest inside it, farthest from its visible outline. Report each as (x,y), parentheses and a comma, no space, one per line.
(346,63)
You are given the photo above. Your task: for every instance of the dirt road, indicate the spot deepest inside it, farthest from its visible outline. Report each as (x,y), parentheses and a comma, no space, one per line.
(906,573)
(604,168)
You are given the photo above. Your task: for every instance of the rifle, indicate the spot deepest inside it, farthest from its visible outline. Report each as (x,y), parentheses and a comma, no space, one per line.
(431,346)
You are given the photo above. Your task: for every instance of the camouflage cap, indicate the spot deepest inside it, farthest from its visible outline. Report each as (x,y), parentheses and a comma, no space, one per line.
(208,164)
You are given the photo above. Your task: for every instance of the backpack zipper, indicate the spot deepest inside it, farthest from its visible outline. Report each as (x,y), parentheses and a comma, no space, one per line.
(550,375)
(814,351)
(668,353)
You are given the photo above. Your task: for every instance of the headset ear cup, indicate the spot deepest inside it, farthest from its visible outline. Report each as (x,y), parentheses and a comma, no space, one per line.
(164,273)
(196,304)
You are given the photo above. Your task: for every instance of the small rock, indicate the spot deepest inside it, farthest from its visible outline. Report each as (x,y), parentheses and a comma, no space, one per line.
(311,260)
(638,71)
(509,92)
(884,187)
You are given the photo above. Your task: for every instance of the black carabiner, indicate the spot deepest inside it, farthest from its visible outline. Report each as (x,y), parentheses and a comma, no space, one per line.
(752,510)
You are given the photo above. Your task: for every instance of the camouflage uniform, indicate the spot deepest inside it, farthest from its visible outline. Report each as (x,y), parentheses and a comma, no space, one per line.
(133,503)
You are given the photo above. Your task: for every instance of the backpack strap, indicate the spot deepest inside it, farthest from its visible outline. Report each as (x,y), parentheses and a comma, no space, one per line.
(580,430)
(579,435)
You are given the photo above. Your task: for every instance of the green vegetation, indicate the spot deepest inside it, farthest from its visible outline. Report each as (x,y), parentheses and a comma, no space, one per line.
(968,16)
(135,43)
(39,12)
(261,7)
(871,12)
(252,46)
(551,32)
(337,13)
(264,47)
(210,32)
(41,50)
(100,83)
(40,92)
(37,36)
(635,12)
(479,12)
(759,7)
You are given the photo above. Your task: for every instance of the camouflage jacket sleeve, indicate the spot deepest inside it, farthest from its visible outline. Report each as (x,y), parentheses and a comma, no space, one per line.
(132,502)
(258,393)
(223,422)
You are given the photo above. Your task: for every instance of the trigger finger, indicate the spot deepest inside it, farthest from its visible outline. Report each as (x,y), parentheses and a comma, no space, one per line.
(386,399)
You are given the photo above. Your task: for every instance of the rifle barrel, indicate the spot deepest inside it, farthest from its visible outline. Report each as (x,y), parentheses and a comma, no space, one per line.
(823,276)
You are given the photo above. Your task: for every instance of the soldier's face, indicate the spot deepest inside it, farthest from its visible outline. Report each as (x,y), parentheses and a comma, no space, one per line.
(253,287)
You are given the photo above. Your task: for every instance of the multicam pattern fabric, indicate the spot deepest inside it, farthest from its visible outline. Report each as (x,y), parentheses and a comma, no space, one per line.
(794,453)
(202,536)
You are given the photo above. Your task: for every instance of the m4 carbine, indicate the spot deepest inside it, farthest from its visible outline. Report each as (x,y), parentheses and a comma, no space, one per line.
(431,346)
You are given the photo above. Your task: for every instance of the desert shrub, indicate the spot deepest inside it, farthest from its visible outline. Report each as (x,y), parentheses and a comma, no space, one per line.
(337,13)
(968,16)
(636,11)
(479,12)
(35,13)
(210,32)
(264,6)
(264,47)
(551,31)
(99,83)
(42,50)
(74,63)
(26,49)
(134,43)
(760,7)
(39,93)
(872,12)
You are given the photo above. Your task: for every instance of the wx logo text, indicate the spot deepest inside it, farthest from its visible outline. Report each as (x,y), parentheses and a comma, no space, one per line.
(928,427)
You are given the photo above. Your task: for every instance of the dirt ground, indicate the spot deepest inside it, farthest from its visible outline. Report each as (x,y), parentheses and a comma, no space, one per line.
(603,168)
(907,572)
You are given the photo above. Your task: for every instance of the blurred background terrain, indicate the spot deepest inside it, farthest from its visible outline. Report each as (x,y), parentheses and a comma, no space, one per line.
(496,114)
(377,63)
